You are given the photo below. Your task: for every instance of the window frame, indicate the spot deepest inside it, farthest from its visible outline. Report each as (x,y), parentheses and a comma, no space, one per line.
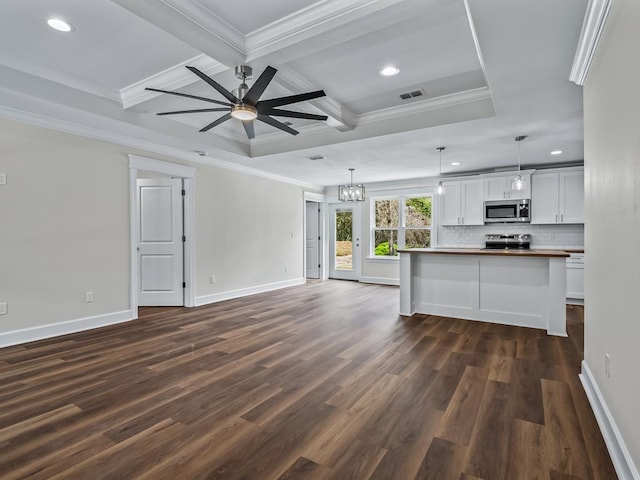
(401,228)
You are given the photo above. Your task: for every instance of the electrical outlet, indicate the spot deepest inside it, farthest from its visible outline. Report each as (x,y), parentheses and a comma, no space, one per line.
(286,269)
(88,297)
(607,365)
(212,279)
(3,308)
(3,178)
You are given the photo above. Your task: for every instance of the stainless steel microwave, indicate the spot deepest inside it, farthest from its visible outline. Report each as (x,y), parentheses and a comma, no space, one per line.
(507,211)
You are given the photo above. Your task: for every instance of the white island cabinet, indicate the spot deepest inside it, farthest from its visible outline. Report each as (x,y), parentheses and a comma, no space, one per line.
(514,287)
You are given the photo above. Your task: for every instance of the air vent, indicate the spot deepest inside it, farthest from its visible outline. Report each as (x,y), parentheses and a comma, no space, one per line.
(288,124)
(316,157)
(414,94)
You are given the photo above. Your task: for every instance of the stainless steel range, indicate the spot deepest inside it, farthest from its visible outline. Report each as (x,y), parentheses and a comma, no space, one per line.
(500,241)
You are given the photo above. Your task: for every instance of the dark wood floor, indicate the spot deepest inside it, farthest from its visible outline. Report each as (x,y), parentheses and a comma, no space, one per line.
(321,381)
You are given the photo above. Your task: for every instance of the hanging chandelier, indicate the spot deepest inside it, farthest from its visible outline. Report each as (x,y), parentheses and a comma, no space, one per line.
(351,192)
(519,183)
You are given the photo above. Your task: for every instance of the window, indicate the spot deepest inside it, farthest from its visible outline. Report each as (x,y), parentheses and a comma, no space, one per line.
(400,222)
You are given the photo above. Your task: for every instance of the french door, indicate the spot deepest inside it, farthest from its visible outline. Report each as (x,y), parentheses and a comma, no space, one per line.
(345,249)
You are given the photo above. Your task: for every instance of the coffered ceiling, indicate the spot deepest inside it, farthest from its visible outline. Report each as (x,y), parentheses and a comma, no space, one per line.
(485,71)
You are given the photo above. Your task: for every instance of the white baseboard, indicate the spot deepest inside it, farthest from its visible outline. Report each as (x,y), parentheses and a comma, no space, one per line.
(380,280)
(243,292)
(32,334)
(620,455)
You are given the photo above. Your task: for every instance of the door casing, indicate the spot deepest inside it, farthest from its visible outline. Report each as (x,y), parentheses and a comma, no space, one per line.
(176,170)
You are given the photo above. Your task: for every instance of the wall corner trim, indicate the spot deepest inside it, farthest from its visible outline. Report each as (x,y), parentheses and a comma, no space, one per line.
(243,292)
(42,332)
(620,455)
(592,27)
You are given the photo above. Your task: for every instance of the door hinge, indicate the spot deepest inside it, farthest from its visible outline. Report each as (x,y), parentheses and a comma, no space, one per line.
(184,192)
(184,284)
(184,238)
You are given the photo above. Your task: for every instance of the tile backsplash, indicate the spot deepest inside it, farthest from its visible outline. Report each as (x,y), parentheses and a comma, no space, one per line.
(542,236)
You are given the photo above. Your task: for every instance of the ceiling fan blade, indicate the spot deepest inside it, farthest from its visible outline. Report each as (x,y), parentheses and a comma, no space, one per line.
(259,86)
(248,128)
(275,123)
(199,110)
(223,118)
(223,91)
(276,102)
(189,96)
(291,114)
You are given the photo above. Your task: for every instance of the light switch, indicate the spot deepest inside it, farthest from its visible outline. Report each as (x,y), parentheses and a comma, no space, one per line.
(3,178)
(3,308)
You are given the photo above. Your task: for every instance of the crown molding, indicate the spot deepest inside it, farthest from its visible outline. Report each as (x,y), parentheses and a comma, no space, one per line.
(476,42)
(171,78)
(63,79)
(87,131)
(593,25)
(319,17)
(208,21)
(469,96)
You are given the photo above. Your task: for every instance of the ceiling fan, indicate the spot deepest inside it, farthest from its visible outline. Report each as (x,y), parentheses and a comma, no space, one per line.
(244,103)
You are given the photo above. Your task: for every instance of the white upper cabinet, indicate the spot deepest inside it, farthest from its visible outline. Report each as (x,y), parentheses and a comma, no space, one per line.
(557,197)
(462,203)
(499,187)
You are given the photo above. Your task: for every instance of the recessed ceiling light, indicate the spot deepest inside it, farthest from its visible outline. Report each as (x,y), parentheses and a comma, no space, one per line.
(389,71)
(59,25)
(556,152)
(455,164)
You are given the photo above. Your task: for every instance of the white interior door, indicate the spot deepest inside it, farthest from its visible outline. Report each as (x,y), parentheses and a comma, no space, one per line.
(160,242)
(345,246)
(312,240)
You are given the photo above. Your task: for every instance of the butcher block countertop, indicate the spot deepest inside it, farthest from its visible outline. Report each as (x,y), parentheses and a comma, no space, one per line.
(483,251)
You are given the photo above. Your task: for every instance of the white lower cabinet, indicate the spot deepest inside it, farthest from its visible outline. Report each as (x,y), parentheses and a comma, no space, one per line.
(462,203)
(575,276)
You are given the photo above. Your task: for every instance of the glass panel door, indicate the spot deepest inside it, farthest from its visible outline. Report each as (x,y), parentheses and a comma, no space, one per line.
(345,249)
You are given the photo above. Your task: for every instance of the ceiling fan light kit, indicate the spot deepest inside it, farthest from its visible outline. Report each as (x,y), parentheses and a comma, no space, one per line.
(351,192)
(243,103)
(519,183)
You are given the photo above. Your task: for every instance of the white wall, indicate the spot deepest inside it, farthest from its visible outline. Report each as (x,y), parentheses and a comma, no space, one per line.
(248,230)
(65,231)
(64,227)
(612,229)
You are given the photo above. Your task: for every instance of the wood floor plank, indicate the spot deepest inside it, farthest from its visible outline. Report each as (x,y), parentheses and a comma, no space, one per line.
(528,458)
(297,383)
(460,416)
(564,432)
(489,447)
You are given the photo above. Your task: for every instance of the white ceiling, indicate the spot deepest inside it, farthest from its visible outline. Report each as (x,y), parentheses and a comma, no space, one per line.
(489,70)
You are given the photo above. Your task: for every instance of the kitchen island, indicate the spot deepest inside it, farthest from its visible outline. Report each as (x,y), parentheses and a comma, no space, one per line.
(513,287)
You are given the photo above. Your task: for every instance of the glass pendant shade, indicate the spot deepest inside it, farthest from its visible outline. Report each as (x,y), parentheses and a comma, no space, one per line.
(519,183)
(440,189)
(351,192)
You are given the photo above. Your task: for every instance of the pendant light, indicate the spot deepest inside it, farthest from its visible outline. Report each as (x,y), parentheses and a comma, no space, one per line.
(440,189)
(519,183)
(351,192)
